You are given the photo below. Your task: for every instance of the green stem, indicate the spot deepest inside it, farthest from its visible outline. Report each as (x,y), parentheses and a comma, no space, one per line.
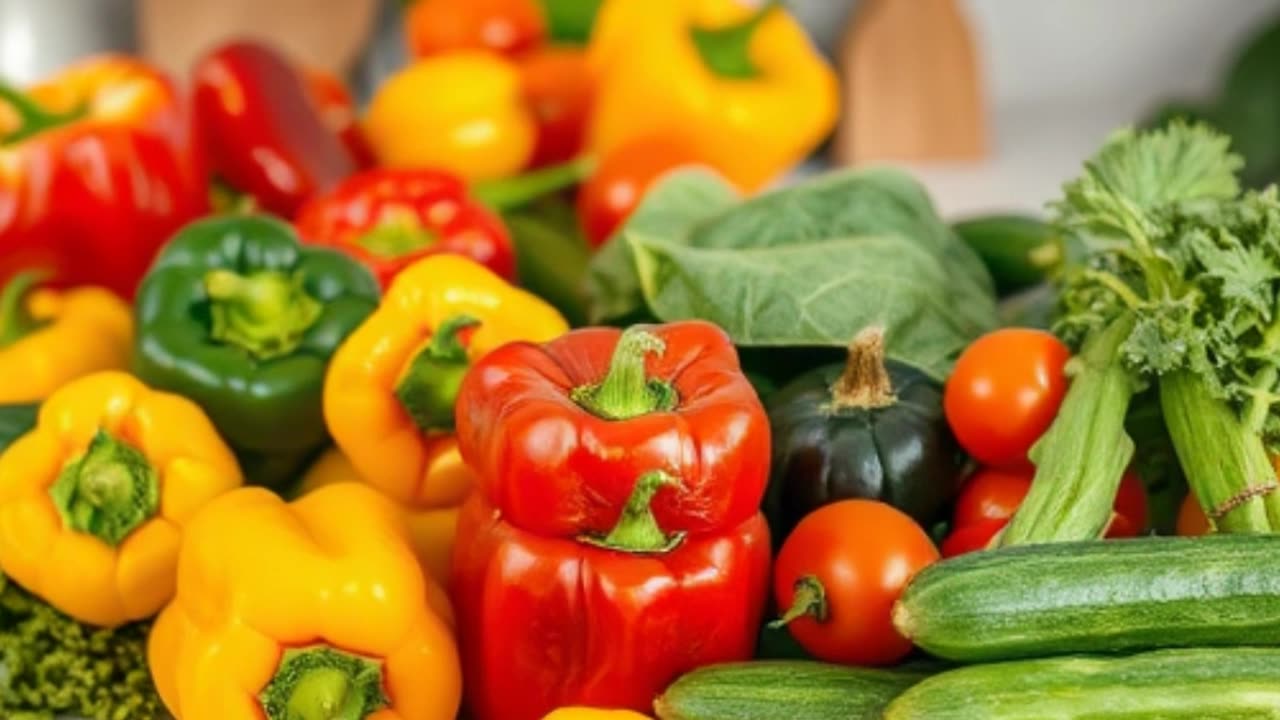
(1083,455)
(266,313)
(429,387)
(637,530)
(626,391)
(515,192)
(15,322)
(32,118)
(321,683)
(391,240)
(727,50)
(808,600)
(1225,462)
(107,492)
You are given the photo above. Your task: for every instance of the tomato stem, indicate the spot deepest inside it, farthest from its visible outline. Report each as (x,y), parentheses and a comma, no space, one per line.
(865,382)
(429,387)
(809,599)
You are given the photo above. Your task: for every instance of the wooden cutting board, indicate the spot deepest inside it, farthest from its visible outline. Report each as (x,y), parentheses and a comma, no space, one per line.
(912,85)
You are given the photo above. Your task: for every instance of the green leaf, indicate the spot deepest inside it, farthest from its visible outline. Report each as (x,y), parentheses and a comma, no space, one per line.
(551,256)
(818,293)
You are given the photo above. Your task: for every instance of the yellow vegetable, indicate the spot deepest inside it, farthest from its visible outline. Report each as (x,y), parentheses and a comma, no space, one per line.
(581,713)
(461,112)
(95,499)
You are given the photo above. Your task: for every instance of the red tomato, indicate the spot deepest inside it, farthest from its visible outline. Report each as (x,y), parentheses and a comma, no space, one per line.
(1130,508)
(559,89)
(969,538)
(991,494)
(622,178)
(1191,518)
(504,26)
(859,554)
(1004,393)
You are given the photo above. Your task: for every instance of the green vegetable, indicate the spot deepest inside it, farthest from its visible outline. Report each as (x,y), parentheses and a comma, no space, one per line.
(52,666)
(1200,684)
(238,316)
(551,256)
(1181,287)
(783,690)
(570,21)
(1096,596)
(806,266)
(1019,251)
(15,421)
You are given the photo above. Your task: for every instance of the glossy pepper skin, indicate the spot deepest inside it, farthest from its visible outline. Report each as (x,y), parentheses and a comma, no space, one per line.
(49,337)
(433,524)
(237,315)
(389,393)
(296,610)
(586,713)
(508,27)
(390,218)
(530,425)
(726,76)
(96,172)
(262,130)
(549,622)
(94,501)
(461,112)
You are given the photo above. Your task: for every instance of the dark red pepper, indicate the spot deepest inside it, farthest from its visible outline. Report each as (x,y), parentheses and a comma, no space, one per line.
(262,130)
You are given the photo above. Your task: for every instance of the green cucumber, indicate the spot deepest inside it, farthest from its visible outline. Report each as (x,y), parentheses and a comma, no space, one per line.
(1019,251)
(783,690)
(1096,596)
(1190,684)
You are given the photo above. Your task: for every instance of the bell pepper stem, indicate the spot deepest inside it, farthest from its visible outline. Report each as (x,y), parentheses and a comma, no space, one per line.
(637,529)
(321,683)
(865,382)
(15,321)
(727,50)
(429,387)
(391,240)
(108,492)
(265,314)
(626,390)
(515,192)
(32,118)
(809,599)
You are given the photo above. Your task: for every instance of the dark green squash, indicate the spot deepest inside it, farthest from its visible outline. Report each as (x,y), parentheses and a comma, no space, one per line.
(871,429)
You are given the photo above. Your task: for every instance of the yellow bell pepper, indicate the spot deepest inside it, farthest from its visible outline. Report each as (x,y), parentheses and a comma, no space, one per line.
(49,337)
(390,389)
(311,609)
(584,713)
(431,530)
(95,499)
(744,86)
(461,112)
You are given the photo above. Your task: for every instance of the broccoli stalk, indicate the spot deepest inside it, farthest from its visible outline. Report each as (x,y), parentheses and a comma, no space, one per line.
(52,666)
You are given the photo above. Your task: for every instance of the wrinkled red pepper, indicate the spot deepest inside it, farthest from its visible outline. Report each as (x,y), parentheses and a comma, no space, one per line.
(96,172)
(262,130)
(558,433)
(390,218)
(615,540)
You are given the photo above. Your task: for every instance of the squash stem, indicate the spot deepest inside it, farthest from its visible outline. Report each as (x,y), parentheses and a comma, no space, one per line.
(865,382)
(809,599)
(429,387)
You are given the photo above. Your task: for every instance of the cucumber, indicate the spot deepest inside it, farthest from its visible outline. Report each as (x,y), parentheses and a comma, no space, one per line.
(1096,596)
(783,690)
(1019,251)
(1191,684)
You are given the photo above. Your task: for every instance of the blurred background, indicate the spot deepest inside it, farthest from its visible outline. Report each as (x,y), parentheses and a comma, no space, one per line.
(1050,78)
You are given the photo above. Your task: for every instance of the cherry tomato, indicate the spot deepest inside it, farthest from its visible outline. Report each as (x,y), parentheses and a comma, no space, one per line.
(622,178)
(503,26)
(1130,508)
(991,494)
(1191,518)
(857,555)
(969,538)
(559,88)
(1004,393)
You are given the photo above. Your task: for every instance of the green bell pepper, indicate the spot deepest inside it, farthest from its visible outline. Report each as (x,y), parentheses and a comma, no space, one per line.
(238,316)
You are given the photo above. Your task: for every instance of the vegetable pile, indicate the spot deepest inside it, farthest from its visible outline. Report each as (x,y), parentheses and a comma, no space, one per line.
(394,425)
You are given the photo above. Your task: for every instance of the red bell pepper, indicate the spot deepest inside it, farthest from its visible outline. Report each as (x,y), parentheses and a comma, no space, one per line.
(550,622)
(262,130)
(96,172)
(558,433)
(390,218)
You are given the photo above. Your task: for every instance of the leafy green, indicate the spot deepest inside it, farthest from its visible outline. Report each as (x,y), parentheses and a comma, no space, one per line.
(551,255)
(51,665)
(819,293)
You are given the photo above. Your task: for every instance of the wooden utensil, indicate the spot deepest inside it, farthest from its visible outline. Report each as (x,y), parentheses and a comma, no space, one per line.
(912,85)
